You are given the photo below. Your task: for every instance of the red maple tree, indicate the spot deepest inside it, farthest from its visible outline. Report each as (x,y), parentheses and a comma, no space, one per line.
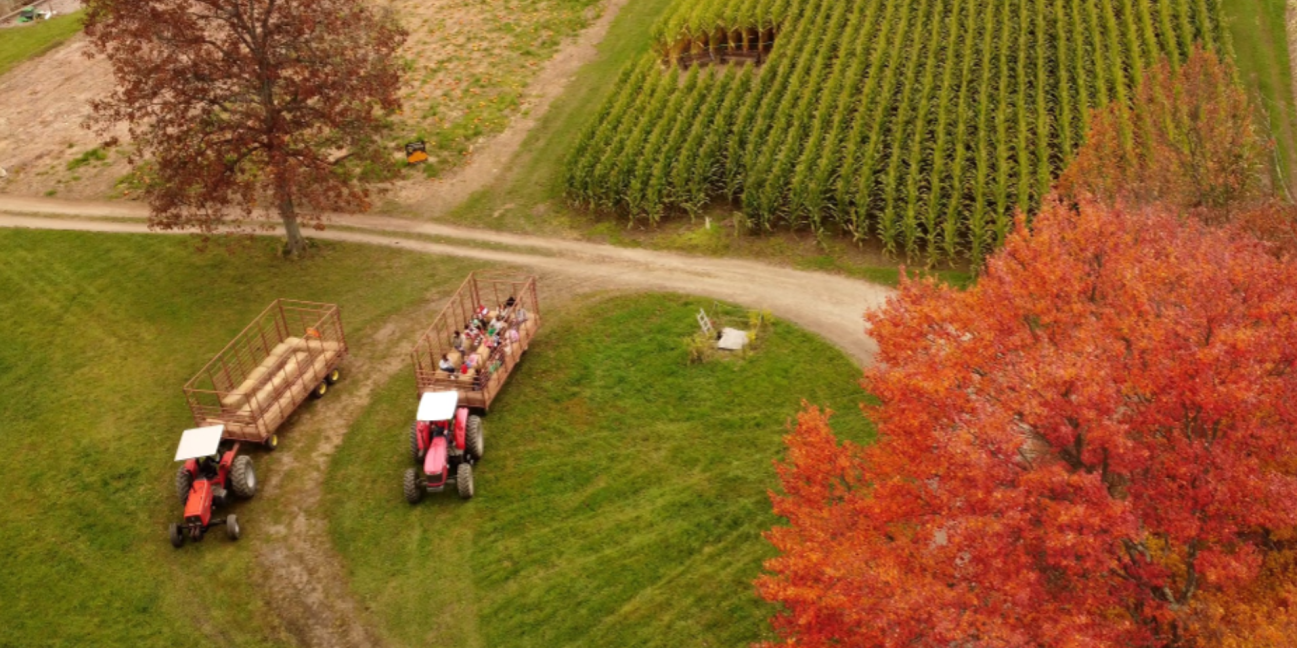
(236,102)
(1092,446)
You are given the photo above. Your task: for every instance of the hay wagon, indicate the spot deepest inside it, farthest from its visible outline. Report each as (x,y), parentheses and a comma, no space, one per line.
(513,299)
(289,353)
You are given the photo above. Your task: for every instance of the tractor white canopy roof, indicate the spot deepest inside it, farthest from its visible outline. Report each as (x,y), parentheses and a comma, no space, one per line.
(200,442)
(437,406)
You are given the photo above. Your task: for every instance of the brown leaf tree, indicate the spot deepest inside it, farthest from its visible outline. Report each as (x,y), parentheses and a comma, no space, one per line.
(234,103)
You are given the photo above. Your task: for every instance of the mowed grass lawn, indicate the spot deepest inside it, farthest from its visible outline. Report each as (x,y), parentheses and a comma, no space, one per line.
(621,500)
(98,333)
(17,44)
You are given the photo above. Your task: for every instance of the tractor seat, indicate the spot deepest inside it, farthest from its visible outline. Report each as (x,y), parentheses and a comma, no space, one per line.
(208,467)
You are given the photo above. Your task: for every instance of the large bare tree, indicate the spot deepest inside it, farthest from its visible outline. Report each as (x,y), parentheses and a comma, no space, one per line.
(235,103)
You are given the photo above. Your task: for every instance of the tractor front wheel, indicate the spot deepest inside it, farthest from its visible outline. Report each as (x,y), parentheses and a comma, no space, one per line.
(243,478)
(333,377)
(415,453)
(474,441)
(184,482)
(177,536)
(464,480)
(413,489)
(232,527)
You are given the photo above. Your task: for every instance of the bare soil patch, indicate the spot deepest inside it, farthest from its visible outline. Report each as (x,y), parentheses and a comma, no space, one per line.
(43,104)
(470,62)
(469,72)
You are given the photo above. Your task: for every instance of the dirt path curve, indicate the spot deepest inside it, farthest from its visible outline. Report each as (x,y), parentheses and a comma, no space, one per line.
(829,305)
(305,581)
(488,160)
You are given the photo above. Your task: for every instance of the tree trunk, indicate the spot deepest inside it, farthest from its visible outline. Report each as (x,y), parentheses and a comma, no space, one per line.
(288,213)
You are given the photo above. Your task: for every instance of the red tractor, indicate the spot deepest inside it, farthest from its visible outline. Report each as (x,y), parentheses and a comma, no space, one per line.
(445,439)
(212,470)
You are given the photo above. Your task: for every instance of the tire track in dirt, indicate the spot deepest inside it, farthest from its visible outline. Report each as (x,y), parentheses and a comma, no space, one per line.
(307,586)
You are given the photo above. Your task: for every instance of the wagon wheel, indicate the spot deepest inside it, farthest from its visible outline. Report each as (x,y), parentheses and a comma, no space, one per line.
(333,377)
(320,390)
(272,442)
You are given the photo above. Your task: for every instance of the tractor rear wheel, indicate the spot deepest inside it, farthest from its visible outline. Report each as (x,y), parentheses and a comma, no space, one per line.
(184,482)
(333,377)
(474,441)
(464,480)
(415,454)
(243,478)
(232,527)
(413,489)
(177,536)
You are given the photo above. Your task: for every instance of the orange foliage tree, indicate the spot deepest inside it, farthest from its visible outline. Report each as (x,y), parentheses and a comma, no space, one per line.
(1092,446)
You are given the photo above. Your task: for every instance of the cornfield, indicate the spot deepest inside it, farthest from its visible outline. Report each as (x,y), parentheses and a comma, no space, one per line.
(925,124)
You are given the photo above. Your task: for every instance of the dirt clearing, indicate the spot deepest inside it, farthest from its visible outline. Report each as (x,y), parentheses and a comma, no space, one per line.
(470,66)
(43,148)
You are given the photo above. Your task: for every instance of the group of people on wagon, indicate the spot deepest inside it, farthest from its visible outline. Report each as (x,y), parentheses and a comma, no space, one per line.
(481,346)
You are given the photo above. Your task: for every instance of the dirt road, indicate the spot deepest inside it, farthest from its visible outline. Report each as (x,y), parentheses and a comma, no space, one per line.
(829,305)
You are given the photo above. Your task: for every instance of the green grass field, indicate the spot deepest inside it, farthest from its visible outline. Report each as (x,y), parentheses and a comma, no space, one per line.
(1261,51)
(17,44)
(621,500)
(98,333)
